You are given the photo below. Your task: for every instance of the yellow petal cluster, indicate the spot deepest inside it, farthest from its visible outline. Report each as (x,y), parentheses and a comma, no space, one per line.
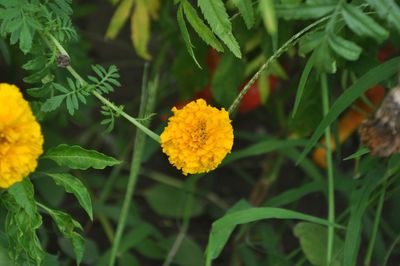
(21,139)
(197,138)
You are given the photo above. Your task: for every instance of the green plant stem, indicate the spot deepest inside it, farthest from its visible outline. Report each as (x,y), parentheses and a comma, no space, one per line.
(78,77)
(147,103)
(375,226)
(293,40)
(331,184)
(191,183)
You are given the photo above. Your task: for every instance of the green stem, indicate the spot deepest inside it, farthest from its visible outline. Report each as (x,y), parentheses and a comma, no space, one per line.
(375,226)
(277,54)
(331,184)
(146,106)
(78,77)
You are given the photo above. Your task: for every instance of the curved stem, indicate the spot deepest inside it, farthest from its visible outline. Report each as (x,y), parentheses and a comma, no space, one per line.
(331,184)
(78,77)
(277,54)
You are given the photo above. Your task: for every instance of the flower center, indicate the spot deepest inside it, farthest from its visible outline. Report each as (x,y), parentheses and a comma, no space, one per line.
(199,135)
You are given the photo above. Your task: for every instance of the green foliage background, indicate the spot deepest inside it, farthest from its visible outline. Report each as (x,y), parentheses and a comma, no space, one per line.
(268,203)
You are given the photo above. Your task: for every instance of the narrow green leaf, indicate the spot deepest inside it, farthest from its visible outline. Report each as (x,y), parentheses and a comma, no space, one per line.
(313,240)
(302,84)
(267,9)
(76,157)
(185,34)
(23,194)
(200,27)
(295,194)
(357,154)
(362,24)
(345,48)
(263,147)
(388,10)
(119,18)
(215,13)
(246,10)
(304,11)
(369,79)
(140,29)
(73,185)
(223,227)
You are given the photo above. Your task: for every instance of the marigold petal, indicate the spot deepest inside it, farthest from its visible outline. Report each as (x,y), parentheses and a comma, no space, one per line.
(21,139)
(197,138)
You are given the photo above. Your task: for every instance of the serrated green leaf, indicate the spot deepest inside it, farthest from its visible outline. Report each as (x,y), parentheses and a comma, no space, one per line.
(20,228)
(67,226)
(78,244)
(76,157)
(185,34)
(198,25)
(369,79)
(73,185)
(215,13)
(345,48)
(362,24)
(52,103)
(119,18)
(23,194)
(313,240)
(246,10)
(304,11)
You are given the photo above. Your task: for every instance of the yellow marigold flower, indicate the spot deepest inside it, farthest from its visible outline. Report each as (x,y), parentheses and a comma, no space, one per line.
(197,138)
(21,140)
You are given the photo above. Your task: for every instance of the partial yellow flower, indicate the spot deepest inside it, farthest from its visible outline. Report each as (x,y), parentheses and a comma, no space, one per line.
(21,139)
(197,138)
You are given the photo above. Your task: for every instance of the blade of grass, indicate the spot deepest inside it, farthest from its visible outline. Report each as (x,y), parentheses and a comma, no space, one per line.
(263,147)
(390,250)
(303,80)
(359,202)
(375,226)
(146,106)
